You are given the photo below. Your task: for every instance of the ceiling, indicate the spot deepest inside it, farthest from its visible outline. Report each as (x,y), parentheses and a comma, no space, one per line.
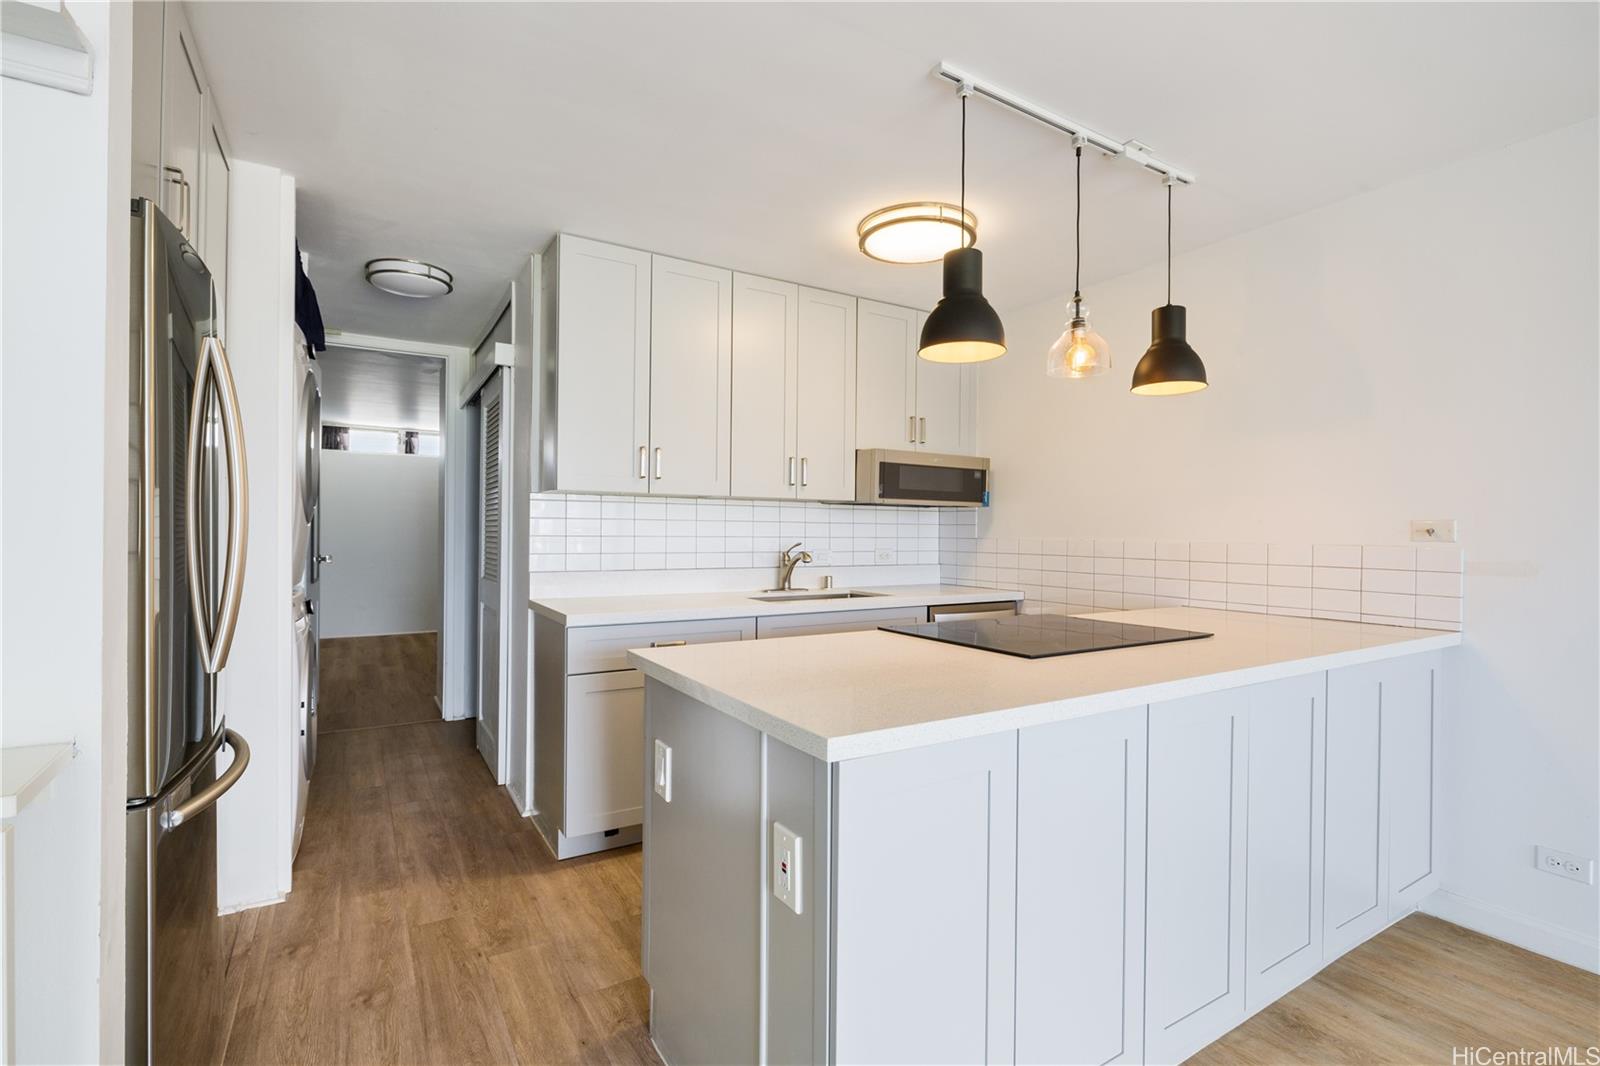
(363,388)
(755,136)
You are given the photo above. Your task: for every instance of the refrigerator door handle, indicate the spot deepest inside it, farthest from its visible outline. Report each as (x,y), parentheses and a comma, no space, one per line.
(198,802)
(215,634)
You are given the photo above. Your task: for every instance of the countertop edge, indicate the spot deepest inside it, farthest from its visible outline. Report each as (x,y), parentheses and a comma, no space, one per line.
(761,609)
(28,769)
(919,734)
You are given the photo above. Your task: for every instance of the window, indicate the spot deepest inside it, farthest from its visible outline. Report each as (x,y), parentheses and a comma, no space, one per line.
(372,440)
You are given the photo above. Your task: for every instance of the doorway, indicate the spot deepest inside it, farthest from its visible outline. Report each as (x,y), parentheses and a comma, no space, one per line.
(378,538)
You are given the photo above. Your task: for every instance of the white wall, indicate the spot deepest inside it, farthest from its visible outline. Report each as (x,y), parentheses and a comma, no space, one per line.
(254,837)
(380,522)
(63,538)
(1425,350)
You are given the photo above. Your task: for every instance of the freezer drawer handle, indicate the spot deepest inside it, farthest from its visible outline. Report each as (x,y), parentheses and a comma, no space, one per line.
(198,802)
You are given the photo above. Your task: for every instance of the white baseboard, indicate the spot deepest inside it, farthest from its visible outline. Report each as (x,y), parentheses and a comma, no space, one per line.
(1535,934)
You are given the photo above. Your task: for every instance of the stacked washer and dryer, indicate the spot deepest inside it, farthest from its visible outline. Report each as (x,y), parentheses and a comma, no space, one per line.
(306,568)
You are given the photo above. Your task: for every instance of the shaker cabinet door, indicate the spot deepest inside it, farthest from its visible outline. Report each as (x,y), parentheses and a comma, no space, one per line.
(886,376)
(691,378)
(1195,880)
(1356,847)
(765,365)
(825,396)
(602,334)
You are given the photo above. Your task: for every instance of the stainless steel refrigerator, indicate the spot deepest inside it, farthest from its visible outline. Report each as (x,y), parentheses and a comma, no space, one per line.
(188,499)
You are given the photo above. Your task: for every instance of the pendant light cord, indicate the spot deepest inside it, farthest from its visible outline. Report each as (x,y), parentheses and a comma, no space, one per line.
(1077,231)
(964,165)
(1169,245)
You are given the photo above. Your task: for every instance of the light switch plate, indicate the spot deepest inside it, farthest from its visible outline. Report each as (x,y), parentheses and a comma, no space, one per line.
(786,866)
(1434,530)
(663,775)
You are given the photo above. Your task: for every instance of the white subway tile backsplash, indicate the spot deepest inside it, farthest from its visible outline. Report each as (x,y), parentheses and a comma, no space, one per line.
(1289,597)
(1445,558)
(1291,575)
(1389,604)
(1139,567)
(1108,549)
(1208,551)
(1138,549)
(1172,550)
(1345,601)
(1388,557)
(1403,581)
(1206,570)
(1104,565)
(1247,552)
(1247,573)
(1337,555)
(1173,568)
(1434,583)
(1289,555)
(1336,577)
(1439,608)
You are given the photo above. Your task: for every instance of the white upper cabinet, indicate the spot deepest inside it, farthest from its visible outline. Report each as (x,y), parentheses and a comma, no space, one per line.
(667,376)
(599,356)
(691,378)
(182,117)
(794,372)
(886,376)
(765,365)
(907,403)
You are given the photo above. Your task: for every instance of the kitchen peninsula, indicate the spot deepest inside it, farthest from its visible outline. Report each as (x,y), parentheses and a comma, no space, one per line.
(873,847)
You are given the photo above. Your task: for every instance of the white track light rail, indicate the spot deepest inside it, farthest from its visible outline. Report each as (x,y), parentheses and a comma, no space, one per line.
(1132,151)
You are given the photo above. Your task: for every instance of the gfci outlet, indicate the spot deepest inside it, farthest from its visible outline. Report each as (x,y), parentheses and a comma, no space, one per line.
(1434,530)
(786,866)
(1564,864)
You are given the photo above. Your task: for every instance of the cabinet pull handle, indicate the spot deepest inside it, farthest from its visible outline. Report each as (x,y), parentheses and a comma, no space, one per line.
(791,470)
(658,464)
(924,439)
(805,472)
(643,473)
(911,429)
(183,197)
(668,643)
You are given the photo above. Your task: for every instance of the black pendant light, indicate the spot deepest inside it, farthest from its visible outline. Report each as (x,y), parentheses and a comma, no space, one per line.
(963,328)
(1169,367)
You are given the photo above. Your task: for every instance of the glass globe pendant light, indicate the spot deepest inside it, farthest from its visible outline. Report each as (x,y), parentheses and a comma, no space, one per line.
(1169,367)
(962,328)
(1079,352)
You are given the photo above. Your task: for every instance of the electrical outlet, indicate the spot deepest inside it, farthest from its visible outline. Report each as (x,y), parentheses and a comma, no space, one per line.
(1434,530)
(663,773)
(786,868)
(821,557)
(883,555)
(1564,864)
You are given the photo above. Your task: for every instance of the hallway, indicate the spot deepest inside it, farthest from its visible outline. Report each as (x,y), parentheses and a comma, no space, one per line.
(428,923)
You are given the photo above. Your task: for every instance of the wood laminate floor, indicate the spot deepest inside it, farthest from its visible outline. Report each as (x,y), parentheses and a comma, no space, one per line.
(429,924)
(374,681)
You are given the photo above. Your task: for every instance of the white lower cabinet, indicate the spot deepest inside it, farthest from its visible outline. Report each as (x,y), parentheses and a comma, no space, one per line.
(1356,853)
(1080,890)
(925,894)
(605,735)
(1195,876)
(1410,779)
(1283,925)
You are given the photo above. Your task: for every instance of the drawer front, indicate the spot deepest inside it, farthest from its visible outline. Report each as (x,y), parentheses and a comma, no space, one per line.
(839,621)
(593,649)
(605,752)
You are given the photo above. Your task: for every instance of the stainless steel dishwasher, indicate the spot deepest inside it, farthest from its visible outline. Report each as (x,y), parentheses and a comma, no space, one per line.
(962,612)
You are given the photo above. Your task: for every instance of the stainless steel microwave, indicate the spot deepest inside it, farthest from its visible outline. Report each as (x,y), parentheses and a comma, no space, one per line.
(924,479)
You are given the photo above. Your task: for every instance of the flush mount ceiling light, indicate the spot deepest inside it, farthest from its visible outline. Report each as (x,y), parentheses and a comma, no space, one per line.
(1169,367)
(962,328)
(920,232)
(409,277)
(1079,352)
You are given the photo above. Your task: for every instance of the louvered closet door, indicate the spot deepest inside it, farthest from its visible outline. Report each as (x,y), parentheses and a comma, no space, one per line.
(492,472)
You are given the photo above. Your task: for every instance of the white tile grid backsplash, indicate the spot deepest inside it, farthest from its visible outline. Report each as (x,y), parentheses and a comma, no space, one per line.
(571,533)
(1408,585)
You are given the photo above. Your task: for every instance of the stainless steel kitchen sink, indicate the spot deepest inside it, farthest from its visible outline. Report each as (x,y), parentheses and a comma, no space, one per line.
(784,597)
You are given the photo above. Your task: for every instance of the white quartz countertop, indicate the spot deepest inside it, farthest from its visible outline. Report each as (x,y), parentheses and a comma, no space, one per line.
(839,696)
(693,606)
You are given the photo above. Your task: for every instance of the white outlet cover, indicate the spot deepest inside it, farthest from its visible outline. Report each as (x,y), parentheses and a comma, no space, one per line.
(1564,864)
(787,866)
(663,774)
(1434,530)
(883,555)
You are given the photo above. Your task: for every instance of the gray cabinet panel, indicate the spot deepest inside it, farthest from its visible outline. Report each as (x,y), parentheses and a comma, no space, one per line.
(1080,890)
(925,896)
(1356,845)
(1284,847)
(703,874)
(1410,720)
(838,621)
(1195,891)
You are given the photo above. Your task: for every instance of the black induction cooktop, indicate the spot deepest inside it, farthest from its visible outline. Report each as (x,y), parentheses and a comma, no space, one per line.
(1039,636)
